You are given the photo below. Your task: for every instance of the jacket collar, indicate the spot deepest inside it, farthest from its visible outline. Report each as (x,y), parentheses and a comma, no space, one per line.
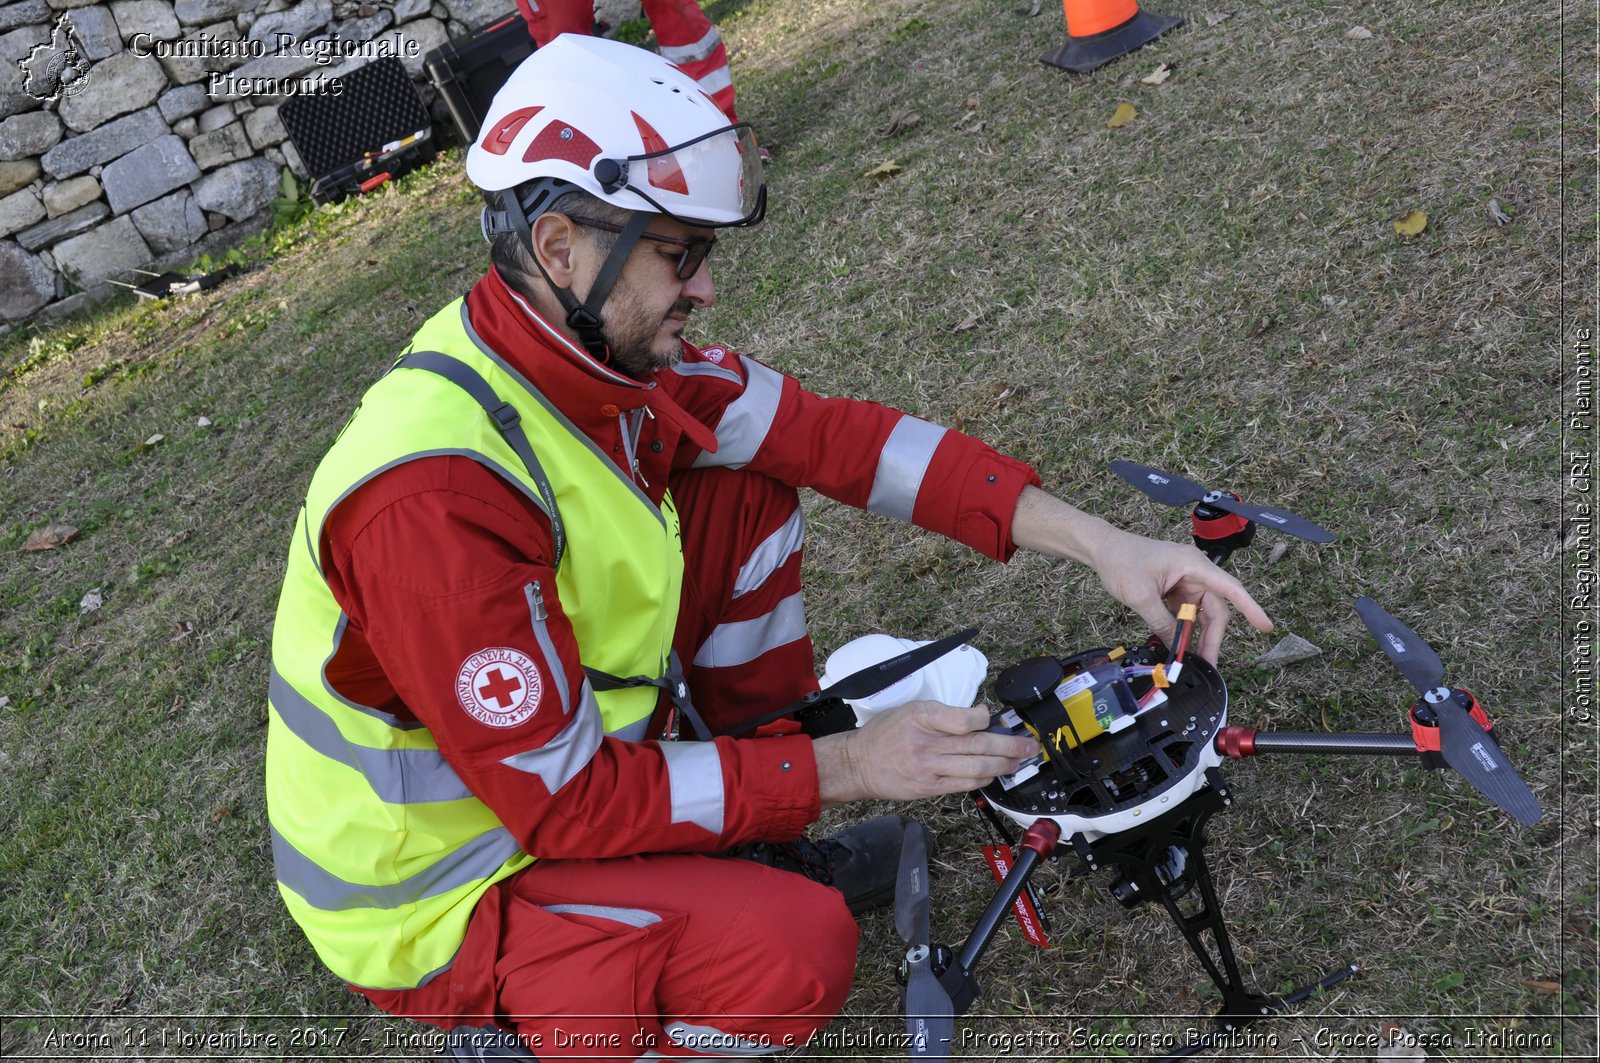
(582,387)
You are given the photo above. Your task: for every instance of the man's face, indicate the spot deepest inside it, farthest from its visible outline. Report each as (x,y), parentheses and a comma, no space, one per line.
(644,316)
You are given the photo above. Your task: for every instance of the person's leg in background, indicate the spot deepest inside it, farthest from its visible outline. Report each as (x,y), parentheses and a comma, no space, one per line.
(548,19)
(689,40)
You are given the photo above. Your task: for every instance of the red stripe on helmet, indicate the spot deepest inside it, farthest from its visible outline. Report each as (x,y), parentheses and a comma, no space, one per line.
(559,140)
(664,173)
(497,141)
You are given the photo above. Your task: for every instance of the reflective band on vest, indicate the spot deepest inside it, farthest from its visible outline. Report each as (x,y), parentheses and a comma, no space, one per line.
(381,850)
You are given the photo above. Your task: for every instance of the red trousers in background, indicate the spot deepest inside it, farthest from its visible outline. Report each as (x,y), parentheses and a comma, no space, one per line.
(669,954)
(687,38)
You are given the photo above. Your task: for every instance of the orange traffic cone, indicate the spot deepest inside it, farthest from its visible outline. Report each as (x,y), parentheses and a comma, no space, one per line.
(1099,31)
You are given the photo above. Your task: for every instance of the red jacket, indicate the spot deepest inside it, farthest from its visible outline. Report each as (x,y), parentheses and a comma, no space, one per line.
(429,561)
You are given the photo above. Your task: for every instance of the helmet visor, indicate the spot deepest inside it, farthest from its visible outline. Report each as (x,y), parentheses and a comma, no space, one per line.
(712,181)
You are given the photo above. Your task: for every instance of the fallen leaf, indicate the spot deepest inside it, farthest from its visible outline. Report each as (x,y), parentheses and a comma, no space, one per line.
(50,537)
(221,812)
(1261,325)
(204,422)
(1498,213)
(181,630)
(967,322)
(899,123)
(1158,75)
(1124,114)
(1541,986)
(153,440)
(1334,302)
(91,602)
(1411,223)
(1358,33)
(971,102)
(976,127)
(1218,16)
(888,169)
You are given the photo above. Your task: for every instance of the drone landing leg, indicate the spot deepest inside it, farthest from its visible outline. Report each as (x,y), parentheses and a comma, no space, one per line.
(1163,861)
(1038,842)
(1239,1007)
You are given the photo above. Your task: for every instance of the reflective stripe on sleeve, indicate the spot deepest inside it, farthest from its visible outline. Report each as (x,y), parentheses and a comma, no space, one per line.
(748,419)
(742,641)
(637,917)
(770,556)
(397,776)
(694,775)
(716,81)
(902,465)
(321,888)
(559,759)
(693,53)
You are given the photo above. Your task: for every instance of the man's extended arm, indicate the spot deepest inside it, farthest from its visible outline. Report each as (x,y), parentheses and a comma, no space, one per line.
(1150,576)
(890,462)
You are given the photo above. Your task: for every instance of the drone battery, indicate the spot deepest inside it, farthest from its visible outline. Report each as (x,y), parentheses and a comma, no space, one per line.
(1097,699)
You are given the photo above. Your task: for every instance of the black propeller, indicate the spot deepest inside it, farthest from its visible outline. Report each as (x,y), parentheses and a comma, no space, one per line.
(930,1014)
(1172,490)
(869,680)
(1463,743)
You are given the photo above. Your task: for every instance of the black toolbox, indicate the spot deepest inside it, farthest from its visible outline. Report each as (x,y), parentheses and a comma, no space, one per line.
(469,70)
(374,129)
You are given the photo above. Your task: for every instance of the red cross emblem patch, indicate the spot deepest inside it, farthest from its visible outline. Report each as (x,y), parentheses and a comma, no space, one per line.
(499,687)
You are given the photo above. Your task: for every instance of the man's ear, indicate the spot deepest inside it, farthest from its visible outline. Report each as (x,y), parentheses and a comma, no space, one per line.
(554,236)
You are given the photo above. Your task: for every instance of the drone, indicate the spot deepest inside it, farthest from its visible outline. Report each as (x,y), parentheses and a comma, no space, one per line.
(1128,773)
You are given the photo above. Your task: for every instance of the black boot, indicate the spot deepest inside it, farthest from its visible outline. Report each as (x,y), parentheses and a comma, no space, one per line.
(861,862)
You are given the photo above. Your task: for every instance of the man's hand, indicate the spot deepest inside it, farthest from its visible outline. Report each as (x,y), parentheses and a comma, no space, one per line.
(921,749)
(1149,576)
(1153,578)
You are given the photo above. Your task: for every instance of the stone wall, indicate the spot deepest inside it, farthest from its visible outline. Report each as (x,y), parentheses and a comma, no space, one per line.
(125,141)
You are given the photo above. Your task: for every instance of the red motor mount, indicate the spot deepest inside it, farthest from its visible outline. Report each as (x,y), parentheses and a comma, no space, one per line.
(1215,528)
(1425,732)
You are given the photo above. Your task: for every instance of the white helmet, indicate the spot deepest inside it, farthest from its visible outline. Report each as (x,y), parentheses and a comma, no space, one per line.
(623,125)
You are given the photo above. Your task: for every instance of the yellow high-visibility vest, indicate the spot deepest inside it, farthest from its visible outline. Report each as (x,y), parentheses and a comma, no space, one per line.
(381,851)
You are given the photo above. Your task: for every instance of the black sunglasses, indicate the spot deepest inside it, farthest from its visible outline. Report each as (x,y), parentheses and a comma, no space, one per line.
(695,249)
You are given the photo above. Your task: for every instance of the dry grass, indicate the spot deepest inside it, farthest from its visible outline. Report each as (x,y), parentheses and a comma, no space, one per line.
(1215,288)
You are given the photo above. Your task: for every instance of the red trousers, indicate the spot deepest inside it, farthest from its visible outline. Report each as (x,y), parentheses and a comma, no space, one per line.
(674,954)
(687,38)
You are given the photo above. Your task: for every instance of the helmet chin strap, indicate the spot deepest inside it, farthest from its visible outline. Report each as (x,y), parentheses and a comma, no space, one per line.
(582,317)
